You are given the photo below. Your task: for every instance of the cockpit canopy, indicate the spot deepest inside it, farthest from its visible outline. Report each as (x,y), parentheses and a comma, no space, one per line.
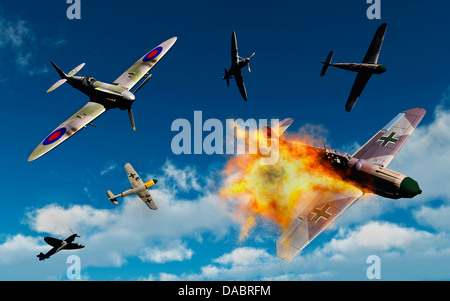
(338,157)
(89,81)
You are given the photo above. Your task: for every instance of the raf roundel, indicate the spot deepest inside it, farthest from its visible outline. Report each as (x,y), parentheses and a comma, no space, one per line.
(54,136)
(152,54)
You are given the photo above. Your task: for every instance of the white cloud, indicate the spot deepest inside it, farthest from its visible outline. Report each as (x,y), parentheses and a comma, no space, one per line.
(176,251)
(436,218)
(18,40)
(243,256)
(185,180)
(110,167)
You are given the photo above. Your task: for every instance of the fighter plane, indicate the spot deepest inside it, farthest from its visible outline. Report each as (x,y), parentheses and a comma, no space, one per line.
(367,169)
(59,245)
(237,63)
(102,96)
(365,70)
(138,187)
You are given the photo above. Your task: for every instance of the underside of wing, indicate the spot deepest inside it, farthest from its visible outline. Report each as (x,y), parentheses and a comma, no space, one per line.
(375,47)
(383,147)
(315,215)
(358,86)
(73,246)
(133,177)
(66,130)
(54,242)
(135,73)
(240,83)
(147,199)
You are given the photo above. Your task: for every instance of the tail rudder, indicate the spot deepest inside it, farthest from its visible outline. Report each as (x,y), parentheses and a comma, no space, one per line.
(41,256)
(327,63)
(111,197)
(60,72)
(64,76)
(278,129)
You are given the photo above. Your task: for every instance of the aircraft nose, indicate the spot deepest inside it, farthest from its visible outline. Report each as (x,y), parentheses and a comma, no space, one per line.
(409,188)
(155,181)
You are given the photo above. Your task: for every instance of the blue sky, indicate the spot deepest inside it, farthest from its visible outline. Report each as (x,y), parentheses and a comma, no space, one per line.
(193,235)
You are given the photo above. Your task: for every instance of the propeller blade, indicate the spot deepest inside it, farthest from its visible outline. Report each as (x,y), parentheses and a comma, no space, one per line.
(130,114)
(56,85)
(252,55)
(143,83)
(76,70)
(249,67)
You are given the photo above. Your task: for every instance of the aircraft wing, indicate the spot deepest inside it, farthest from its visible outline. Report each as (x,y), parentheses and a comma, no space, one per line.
(147,199)
(73,246)
(69,127)
(133,177)
(240,83)
(319,210)
(135,73)
(234,48)
(375,47)
(383,147)
(53,241)
(358,86)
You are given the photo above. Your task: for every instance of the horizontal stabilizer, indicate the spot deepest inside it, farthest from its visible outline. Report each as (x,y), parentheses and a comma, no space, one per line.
(57,85)
(76,70)
(111,197)
(327,63)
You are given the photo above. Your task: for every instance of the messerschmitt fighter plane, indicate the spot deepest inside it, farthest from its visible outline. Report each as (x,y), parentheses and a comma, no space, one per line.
(237,63)
(58,245)
(103,96)
(365,70)
(366,169)
(138,187)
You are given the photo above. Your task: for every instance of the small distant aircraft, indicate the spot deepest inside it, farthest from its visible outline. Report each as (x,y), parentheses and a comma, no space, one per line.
(138,187)
(59,245)
(103,96)
(237,63)
(367,168)
(365,70)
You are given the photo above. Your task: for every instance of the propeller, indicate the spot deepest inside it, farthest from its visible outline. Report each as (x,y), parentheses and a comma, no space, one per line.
(248,65)
(130,114)
(130,111)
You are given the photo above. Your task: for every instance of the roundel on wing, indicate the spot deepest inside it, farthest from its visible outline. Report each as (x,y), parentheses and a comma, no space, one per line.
(54,136)
(152,54)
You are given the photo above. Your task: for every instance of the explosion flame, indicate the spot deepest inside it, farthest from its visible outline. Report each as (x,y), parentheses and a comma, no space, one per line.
(275,192)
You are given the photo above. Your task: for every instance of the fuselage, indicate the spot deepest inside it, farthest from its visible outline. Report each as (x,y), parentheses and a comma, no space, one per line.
(109,95)
(236,67)
(370,68)
(375,178)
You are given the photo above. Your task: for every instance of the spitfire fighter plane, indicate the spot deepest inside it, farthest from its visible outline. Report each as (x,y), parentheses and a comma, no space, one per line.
(103,96)
(237,63)
(138,187)
(58,245)
(366,169)
(365,70)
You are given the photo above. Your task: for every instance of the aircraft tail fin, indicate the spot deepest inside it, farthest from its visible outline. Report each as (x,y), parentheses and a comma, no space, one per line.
(111,197)
(226,77)
(41,256)
(278,129)
(327,63)
(64,76)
